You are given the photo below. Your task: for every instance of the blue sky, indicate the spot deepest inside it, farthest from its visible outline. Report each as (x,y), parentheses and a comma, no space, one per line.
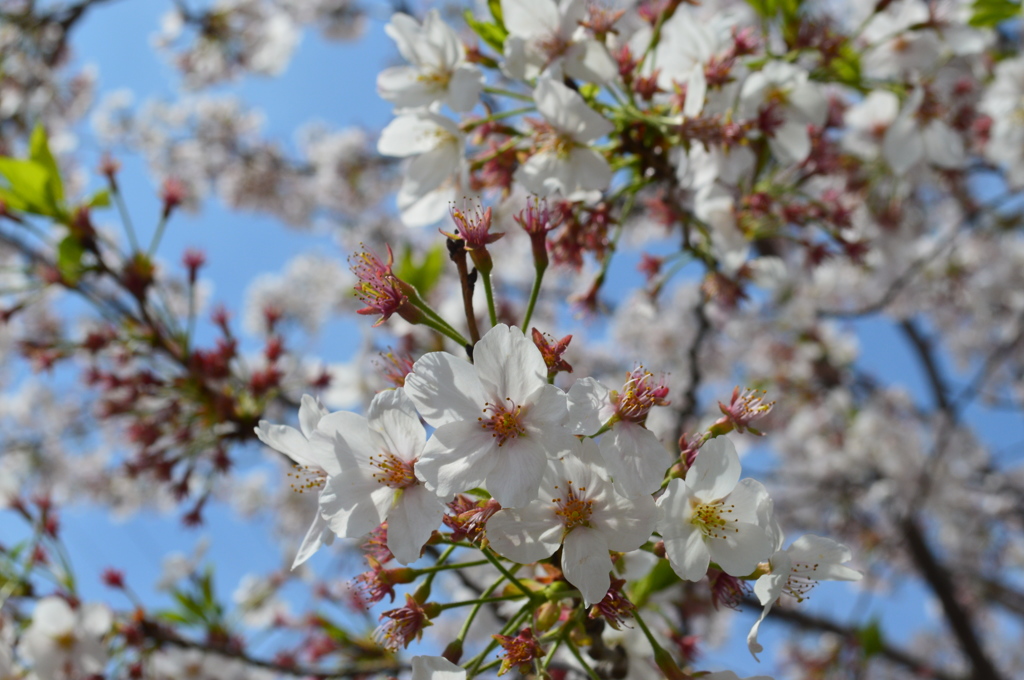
(335,83)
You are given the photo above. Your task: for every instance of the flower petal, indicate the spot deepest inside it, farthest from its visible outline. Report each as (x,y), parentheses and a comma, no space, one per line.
(411,520)
(525,534)
(586,564)
(445,389)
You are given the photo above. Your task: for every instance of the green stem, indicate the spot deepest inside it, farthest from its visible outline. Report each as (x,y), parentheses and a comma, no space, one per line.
(479,602)
(591,673)
(498,116)
(534,294)
(155,243)
(489,293)
(492,558)
(508,93)
(446,567)
(126,219)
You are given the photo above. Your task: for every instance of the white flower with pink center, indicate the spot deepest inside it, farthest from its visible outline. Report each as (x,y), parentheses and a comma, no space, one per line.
(565,160)
(796,570)
(546,37)
(437,70)
(313,465)
(498,420)
(581,511)
(633,455)
(712,516)
(62,642)
(377,456)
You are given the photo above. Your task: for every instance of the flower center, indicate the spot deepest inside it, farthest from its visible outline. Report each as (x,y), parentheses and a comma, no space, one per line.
(573,510)
(392,471)
(503,420)
(307,478)
(713,518)
(800,582)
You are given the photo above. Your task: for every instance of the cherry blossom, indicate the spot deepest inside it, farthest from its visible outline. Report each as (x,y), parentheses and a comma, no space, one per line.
(796,570)
(313,466)
(498,420)
(438,70)
(564,161)
(546,36)
(378,458)
(581,511)
(437,166)
(64,642)
(712,516)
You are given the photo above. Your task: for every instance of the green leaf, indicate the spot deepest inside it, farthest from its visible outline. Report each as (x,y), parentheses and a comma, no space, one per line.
(492,34)
(69,259)
(765,8)
(27,187)
(39,151)
(657,579)
(101,199)
(423,274)
(870,638)
(190,609)
(496,13)
(988,13)
(845,67)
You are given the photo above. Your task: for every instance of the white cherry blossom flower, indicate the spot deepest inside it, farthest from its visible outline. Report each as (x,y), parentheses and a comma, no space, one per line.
(498,420)
(377,455)
(437,168)
(867,122)
(635,459)
(565,161)
(796,570)
(711,516)
(793,102)
(64,642)
(436,668)
(917,135)
(314,465)
(581,511)
(1004,103)
(545,37)
(438,70)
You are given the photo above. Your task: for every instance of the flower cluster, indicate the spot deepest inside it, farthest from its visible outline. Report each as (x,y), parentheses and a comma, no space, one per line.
(574,471)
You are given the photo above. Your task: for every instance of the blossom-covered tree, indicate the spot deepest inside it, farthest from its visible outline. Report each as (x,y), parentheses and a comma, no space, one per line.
(627,247)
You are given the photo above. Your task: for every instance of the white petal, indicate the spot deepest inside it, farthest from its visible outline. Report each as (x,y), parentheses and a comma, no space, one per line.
(625,523)
(826,555)
(530,18)
(526,534)
(515,474)
(350,505)
(458,457)
(586,398)
(445,389)
(548,408)
(689,557)
(567,112)
(586,564)
(415,133)
(715,471)
(635,458)
(392,414)
(318,534)
(743,548)
(944,147)
(588,60)
(791,142)
(411,520)
(293,444)
(464,88)
(510,366)
(310,413)
(435,668)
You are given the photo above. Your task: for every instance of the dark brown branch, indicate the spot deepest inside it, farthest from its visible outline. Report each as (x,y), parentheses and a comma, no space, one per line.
(938,579)
(807,621)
